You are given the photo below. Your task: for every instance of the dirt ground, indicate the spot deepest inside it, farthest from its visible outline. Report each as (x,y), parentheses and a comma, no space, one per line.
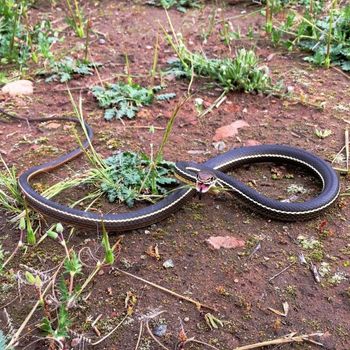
(241,284)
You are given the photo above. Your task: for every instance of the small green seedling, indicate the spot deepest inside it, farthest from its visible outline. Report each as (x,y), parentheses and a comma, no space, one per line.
(212,321)
(322,134)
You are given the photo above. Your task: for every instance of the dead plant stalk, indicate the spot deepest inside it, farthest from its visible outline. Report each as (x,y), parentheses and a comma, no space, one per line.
(197,303)
(289,338)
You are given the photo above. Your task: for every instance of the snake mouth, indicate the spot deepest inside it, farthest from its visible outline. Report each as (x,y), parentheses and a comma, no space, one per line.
(202,187)
(204,181)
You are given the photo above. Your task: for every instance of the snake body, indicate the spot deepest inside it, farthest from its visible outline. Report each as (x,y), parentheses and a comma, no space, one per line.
(120,222)
(270,153)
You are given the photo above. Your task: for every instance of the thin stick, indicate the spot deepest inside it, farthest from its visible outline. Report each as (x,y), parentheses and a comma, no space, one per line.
(155,59)
(191,80)
(140,335)
(347,148)
(193,340)
(111,332)
(18,246)
(143,127)
(341,72)
(9,303)
(197,303)
(336,156)
(214,104)
(290,338)
(279,273)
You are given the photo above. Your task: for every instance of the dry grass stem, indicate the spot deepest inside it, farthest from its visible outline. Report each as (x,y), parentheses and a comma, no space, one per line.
(197,303)
(289,338)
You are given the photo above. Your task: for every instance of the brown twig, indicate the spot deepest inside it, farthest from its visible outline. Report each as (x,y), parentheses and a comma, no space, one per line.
(279,273)
(197,303)
(140,335)
(111,332)
(347,148)
(341,72)
(193,340)
(289,338)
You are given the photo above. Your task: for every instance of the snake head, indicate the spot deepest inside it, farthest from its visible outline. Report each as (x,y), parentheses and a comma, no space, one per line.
(204,181)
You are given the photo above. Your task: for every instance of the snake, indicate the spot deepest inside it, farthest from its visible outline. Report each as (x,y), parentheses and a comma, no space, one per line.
(202,176)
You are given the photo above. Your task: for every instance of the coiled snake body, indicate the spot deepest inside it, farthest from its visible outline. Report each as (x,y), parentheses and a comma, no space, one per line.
(218,165)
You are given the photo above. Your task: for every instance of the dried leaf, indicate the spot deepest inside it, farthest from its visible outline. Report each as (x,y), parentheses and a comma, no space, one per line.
(153,251)
(279,313)
(130,302)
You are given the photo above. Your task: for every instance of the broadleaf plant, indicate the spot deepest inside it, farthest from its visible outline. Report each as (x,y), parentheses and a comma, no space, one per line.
(20,41)
(122,100)
(339,50)
(134,176)
(65,69)
(325,35)
(181,5)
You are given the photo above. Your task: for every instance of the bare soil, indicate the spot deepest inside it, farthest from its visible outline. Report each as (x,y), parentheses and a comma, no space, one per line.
(235,282)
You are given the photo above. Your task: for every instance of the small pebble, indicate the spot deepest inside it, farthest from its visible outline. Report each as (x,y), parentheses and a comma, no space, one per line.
(168,264)
(101,41)
(220,145)
(236,280)
(160,330)
(186,319)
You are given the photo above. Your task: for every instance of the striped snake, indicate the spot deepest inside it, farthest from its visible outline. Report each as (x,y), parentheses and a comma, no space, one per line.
(204,175)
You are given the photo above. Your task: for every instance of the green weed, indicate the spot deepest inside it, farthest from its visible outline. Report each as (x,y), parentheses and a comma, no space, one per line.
(322,134)
(67,68)
(122,100)
(129,177)
(329,41)
(180,5)
(313,247)
(19,41)
(11,199)
(227,34)
(166,97)
(60,330)
(240,73)
(109,252)
(325,35)
(75,17)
